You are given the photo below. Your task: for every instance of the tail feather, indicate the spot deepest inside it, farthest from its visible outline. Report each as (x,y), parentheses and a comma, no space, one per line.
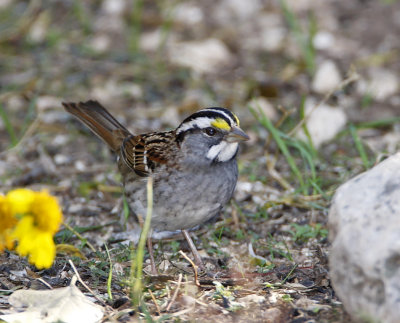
(100,121)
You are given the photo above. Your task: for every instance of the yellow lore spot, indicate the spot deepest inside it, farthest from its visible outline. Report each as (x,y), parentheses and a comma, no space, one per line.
(220,124)
(236,119)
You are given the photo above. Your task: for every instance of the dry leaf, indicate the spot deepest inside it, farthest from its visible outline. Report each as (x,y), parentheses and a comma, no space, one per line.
(67,304)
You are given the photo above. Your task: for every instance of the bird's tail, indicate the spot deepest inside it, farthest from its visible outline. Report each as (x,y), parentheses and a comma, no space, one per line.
(100,121)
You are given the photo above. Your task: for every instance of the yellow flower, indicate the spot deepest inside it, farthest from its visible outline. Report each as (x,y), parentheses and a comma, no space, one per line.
(36,243)
(7,222)
(47,212)
(39,217)
(20,200)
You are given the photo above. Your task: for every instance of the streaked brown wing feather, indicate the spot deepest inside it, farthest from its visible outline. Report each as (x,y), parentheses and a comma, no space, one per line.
(144,153)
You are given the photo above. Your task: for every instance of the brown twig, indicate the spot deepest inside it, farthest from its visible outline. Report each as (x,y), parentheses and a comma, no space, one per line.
(196,278)
(350,79)
(175,293)
(84,284)
(235,218)
(44,283)
(154,301)
(151,254)
(271,162)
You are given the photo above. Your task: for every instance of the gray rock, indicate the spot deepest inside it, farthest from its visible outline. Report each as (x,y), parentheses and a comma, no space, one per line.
(324,122)
(381,84)
(265,106)
(205,56)
(242,11)
(324,40)
(327,78)
(188,14)
(364,225)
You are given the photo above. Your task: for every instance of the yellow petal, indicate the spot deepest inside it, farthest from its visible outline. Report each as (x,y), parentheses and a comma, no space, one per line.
(37,244)
(20,200)
(44,251)
(7,222)
(6,241)
(47,212)
(39,216)
(24,233)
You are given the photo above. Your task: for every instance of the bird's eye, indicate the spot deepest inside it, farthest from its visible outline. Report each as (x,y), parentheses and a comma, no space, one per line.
(210,131)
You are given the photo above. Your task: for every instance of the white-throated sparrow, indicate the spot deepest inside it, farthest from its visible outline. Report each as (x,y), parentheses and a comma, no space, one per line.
(193,167)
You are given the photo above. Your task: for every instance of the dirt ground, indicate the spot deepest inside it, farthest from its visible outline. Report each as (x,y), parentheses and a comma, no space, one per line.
(152,63)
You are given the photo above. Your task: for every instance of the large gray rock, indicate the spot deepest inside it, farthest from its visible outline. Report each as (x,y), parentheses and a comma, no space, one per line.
(364,225)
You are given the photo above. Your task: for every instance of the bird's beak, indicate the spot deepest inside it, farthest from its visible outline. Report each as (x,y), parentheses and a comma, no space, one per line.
(236,134)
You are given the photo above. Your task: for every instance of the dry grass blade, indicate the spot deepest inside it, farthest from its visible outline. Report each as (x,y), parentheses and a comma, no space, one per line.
(155,302)
(175,293)
(84,284)
(45,283)
(271,162)
(353,76)
(196,277)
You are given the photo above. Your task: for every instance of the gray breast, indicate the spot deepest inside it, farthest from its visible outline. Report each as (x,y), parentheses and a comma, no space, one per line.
(184,198)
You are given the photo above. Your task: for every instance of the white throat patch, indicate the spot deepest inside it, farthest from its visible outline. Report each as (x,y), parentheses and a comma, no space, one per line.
(222,152)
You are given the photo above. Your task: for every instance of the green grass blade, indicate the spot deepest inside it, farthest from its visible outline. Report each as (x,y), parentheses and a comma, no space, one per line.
(307,156)
(109,278)
(28,117)
(304,126)
(136,291)
(9,127)
(319,190)
(359,146)
(82,16)
(125,208)
(303,40)
(136,26)
(377,123)
(266,123)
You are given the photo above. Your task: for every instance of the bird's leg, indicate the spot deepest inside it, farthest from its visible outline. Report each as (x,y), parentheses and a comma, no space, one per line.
(196,255)
(152,263)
